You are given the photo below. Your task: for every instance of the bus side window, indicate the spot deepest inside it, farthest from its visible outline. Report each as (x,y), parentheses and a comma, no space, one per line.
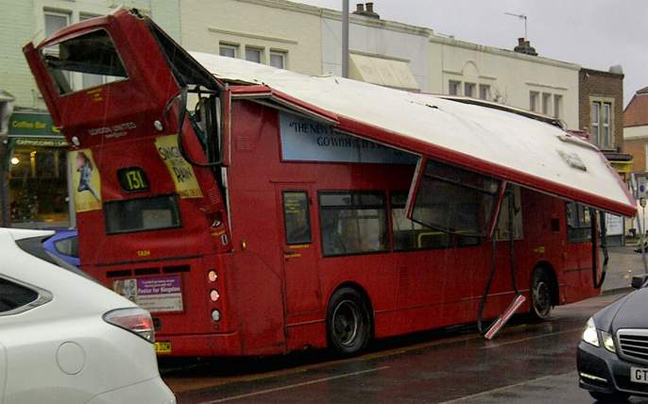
(296,217)
(579,227)
(502,230)
(353,223)
(409,235)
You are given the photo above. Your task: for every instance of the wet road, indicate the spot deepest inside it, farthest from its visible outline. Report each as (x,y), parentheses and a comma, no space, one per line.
(525,363)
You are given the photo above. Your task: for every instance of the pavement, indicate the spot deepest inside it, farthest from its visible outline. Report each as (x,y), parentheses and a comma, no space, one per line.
(623,265)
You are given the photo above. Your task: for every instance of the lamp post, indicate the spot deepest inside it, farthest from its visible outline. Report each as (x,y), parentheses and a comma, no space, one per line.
(345,38)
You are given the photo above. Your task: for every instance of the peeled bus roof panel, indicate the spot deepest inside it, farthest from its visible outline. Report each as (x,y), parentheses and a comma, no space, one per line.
(501,143)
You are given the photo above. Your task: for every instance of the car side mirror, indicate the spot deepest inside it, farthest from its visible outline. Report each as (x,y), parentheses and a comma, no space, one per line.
(638,281)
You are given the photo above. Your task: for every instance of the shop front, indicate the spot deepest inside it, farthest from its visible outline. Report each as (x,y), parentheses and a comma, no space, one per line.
(36,164)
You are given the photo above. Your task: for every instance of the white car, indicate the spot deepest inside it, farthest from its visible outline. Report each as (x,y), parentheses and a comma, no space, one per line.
(65,338)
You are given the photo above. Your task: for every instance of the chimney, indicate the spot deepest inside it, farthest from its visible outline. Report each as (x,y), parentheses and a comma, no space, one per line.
(366,10)
(524,46)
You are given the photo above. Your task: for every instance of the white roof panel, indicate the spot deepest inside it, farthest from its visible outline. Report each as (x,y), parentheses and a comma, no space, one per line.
(522,150)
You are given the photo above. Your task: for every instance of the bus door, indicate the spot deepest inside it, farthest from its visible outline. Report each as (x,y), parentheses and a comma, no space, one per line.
(302,289)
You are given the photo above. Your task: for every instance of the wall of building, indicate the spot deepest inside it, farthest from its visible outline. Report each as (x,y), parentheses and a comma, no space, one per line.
(637,148)
(269,25)
(17,27)
(599,85)
(378,38)
(510,75)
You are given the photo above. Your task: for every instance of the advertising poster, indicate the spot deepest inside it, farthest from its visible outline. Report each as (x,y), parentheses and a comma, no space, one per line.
(156,294)
(307,140)
(181,171)
(86,181)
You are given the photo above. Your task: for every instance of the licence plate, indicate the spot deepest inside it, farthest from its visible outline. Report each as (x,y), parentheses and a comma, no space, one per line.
(164,347)
(639,375)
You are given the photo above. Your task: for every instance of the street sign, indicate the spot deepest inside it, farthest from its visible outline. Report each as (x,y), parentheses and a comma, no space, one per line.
(643,187)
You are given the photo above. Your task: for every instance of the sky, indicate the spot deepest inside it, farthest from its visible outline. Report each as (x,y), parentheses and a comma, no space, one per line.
(595,34)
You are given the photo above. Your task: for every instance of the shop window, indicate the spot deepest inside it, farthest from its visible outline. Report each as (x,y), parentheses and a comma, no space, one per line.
(352,223)
(38,184)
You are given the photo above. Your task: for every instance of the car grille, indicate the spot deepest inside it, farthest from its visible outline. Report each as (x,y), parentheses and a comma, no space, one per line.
(634,344)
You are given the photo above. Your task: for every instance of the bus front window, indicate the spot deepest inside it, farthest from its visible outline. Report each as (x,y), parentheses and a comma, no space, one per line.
(142,214)
(82,62)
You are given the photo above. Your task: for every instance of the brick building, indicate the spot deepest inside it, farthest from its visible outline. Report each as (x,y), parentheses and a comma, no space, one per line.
(635,131)
(600,111)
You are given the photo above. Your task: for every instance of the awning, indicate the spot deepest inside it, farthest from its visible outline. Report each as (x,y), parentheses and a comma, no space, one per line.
(498,143)
(382,71)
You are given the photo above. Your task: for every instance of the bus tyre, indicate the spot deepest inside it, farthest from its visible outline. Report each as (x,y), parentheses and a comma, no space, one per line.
(348,324)
(541,293)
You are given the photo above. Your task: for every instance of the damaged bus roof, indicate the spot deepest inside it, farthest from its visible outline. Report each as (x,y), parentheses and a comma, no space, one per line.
(503,144)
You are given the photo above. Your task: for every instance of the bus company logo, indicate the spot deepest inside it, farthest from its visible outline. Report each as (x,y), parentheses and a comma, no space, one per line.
(113,131)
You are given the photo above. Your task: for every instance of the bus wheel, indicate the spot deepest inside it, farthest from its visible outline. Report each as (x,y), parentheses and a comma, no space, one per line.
(347,321)
(541,292)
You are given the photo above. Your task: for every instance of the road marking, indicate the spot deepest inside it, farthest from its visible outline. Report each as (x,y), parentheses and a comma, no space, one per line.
(496,345)
(293,386)
(500,389)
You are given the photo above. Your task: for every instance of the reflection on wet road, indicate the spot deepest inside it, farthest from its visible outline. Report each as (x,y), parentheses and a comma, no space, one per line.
(530,363)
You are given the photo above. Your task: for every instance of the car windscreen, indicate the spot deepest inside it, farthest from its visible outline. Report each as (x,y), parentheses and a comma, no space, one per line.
(34,246)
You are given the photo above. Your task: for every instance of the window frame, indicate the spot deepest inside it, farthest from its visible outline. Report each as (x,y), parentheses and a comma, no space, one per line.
(534,98)
(469,89)
(385,220)
(456,84)
(307,213)
(252,48)
(284,58)
(485,92)
(557,105)
(116,201)
(450,241)
(226,45)
(42,297)
(581,224)
(602,130)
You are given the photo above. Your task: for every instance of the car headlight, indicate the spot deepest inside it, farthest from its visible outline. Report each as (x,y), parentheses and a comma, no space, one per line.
(590,335)
(608,341)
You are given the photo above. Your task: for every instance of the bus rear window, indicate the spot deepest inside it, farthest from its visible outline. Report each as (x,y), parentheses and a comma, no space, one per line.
(142,214)
(82,62)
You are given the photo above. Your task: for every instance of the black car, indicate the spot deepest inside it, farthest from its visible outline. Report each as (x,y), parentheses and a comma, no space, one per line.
(613,352)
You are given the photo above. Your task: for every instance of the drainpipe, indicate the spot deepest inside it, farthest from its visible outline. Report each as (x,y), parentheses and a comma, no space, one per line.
(345,38)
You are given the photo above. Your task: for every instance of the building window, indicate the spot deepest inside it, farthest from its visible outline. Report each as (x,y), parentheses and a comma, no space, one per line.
(546,103)
(601,123)
(55,21)
(558,104)
(352,223)
(278,59)
(484,92)
(230,51)
(469,89)
(533,101)
(253,54)
(454,87)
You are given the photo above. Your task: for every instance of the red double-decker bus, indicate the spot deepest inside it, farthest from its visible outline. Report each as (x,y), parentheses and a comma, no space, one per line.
(256,211)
